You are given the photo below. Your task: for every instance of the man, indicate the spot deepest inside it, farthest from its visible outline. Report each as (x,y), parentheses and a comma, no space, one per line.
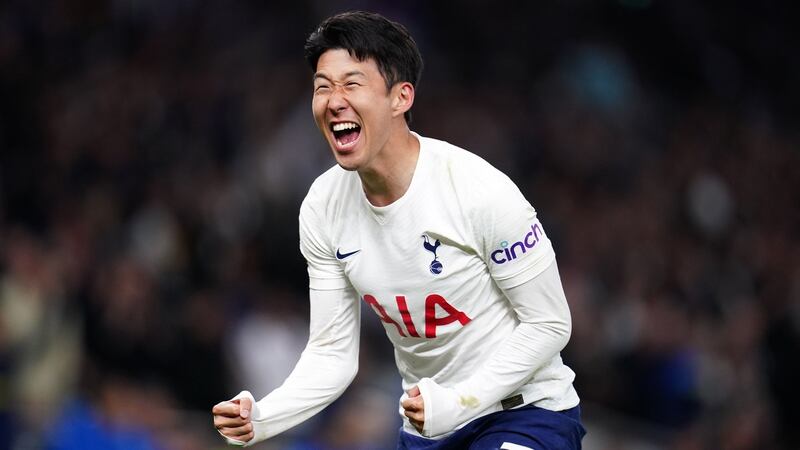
(446,251)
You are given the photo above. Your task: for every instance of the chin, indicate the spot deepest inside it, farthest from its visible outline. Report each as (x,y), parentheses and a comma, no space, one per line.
(347,166)
(346,163)
(348,160)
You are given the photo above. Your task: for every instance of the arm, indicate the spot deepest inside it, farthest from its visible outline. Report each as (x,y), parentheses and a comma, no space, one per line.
(543,331)
(325,369)
(510,239)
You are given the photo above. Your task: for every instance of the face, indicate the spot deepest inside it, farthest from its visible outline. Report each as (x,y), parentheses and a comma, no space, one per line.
(353,108)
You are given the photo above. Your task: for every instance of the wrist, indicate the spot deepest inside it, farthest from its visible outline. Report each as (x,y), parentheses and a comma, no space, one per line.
(445,407)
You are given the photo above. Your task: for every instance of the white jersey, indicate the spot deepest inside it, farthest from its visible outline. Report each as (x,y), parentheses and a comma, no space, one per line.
(434,266)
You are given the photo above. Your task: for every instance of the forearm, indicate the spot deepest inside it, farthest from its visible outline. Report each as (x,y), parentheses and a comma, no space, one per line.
(543,331)
(325,369)
(307,391)
(540,336)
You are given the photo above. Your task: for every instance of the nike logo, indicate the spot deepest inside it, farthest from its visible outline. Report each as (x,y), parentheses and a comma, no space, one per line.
(345,255)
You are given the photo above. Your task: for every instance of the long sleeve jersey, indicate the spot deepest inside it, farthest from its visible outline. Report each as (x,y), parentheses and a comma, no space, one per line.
(461,274)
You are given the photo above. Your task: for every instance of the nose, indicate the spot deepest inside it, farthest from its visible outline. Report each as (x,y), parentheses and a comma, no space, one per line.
(337,101)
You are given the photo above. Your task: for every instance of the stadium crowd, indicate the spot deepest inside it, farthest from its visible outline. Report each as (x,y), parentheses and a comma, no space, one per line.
(153,157)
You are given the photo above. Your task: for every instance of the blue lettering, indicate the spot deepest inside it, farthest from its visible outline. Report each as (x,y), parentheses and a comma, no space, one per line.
(513,246)
(535,228)
(529,241)
(494,257)
(528,236)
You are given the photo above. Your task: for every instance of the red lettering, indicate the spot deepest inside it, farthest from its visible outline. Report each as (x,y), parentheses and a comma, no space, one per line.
(403,307)
(431,321)
(372,301)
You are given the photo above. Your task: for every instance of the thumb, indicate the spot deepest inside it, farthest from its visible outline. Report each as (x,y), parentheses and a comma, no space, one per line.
(414,391)
(245,406)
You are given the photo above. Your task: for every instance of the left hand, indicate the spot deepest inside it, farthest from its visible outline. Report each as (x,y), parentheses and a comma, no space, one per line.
(414,408)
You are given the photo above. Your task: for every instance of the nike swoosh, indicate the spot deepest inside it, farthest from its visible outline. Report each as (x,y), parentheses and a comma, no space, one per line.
(345,255)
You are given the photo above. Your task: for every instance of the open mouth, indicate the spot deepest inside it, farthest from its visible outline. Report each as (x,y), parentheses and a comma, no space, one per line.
(346,133)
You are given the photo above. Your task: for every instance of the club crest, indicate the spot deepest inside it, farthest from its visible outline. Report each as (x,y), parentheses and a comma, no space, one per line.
(436,265)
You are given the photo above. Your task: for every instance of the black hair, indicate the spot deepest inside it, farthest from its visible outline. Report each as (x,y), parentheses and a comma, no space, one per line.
(368,35)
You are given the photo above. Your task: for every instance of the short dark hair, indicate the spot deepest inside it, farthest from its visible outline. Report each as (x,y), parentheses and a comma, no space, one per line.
(368,35)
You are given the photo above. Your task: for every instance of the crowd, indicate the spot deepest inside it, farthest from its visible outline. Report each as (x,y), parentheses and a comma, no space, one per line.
(153,157)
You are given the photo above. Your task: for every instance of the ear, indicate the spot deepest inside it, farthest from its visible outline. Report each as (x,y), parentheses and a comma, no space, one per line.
(402,98)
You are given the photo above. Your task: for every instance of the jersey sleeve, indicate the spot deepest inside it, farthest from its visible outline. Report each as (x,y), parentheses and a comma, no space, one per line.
(544,329)
(324,270)
(326,367)
(510,238)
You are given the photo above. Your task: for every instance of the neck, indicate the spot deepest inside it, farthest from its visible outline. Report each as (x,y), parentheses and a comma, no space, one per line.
(389,178)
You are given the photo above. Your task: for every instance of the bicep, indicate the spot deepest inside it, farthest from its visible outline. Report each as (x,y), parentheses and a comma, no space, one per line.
(325,272)
(334,318)
(508,234)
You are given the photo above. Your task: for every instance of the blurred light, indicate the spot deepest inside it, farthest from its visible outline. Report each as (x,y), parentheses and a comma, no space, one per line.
(710,203)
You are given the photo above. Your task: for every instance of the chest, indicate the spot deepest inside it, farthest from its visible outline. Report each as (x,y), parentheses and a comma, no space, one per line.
(404,256)
(418,265)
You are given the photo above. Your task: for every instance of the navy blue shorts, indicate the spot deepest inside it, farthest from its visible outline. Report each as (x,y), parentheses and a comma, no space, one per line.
(523,428)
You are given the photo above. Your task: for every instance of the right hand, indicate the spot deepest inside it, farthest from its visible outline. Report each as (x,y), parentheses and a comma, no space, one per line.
(414,407)
(232,419)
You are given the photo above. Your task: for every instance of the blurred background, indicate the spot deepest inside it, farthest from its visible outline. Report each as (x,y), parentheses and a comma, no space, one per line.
(154,154)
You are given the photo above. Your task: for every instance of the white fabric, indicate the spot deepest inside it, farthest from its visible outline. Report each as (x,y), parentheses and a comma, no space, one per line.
(512,446)
(490,241)
(325,369)
(447,269)
(544,330)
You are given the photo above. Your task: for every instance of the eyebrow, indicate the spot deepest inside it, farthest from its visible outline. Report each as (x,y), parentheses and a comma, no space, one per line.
(352,73)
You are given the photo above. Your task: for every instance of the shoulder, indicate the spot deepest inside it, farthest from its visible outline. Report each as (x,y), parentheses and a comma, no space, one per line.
(327,190)
(476,180)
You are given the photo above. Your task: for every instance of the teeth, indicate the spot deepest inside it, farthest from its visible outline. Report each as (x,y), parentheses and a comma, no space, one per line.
(344,126)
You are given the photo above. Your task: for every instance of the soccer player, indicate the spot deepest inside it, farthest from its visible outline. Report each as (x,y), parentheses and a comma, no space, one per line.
(446,251)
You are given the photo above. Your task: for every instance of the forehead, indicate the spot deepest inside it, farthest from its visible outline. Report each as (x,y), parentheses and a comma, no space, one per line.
(338,63)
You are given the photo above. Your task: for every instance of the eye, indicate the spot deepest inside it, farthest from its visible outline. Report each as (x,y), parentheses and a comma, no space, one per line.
(321,89)
(352,85)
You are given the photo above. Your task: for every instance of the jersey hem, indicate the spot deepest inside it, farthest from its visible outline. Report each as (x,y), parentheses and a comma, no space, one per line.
(528,273)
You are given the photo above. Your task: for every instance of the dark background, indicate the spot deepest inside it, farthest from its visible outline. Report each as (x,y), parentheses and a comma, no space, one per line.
(153,156)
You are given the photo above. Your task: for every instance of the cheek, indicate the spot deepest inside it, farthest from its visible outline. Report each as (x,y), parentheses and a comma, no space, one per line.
(318,111)
(373,109)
